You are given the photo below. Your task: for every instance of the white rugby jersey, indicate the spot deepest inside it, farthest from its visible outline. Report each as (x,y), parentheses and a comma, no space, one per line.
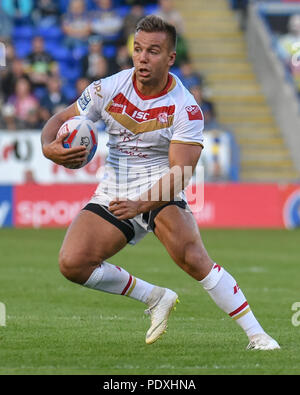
(141,129)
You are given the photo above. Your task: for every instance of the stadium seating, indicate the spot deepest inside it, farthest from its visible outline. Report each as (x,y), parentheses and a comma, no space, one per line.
(22,47)
(109,51)
(69,60)
(53,37)
(70,69)
(218,49)
(26,32)
(51,33)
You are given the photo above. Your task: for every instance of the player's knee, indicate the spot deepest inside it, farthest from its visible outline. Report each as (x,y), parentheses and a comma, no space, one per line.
(195,256)
(71,266)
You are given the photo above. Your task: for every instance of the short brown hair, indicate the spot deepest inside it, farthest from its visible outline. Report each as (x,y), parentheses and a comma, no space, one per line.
(153,23)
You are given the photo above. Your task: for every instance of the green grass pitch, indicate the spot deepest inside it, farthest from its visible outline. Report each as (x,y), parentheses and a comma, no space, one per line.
(56,327)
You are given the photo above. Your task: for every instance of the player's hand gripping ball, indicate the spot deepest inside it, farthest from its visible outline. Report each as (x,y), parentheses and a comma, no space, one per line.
(82,131)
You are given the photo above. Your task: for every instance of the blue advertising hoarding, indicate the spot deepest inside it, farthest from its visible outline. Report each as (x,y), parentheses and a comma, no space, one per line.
(6,206)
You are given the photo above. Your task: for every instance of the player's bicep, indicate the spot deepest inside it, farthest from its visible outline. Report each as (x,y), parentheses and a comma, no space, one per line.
(188,126)
(184,154)
(68,112)
(90,103)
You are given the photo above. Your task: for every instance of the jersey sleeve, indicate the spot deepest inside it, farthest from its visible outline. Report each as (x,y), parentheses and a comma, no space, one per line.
(188,125)
(93,99)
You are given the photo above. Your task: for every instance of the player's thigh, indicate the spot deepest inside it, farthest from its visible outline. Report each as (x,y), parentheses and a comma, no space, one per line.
(178,231)
(90,239)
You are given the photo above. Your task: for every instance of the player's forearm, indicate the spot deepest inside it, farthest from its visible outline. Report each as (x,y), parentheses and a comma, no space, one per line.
(50,129)
(49,133)
(53,125)
(166,188)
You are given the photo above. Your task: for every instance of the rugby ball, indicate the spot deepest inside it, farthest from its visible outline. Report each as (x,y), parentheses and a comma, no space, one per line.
(82,131)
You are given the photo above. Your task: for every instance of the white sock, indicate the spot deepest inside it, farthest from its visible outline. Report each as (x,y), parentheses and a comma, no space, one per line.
(224,290)
(113,279)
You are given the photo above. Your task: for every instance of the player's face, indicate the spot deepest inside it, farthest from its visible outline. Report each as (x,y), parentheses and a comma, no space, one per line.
(152,58)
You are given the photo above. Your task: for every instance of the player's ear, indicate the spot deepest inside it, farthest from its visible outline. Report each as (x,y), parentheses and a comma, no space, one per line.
(172,58)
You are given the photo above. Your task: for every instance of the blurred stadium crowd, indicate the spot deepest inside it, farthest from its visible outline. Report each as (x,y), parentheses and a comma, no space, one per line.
(284,30)
(56,48)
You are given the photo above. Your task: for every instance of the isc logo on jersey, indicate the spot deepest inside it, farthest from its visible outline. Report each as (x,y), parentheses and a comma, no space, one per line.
(140,115)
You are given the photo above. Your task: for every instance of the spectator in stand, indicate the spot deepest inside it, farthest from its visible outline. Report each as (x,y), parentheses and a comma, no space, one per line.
(94,64)
(25,104)
(39,64)
(8,117)
(130,21)
(29,177)
(9,54)
(241,9)
(81,84)
(46,13)
(207,106)
(11,75)
(101,68)
(122,60)
(76,25)
(167,11)
(189,77)
(6,24)
(34,120)
(221,157)
(288,47)
(141,2)
(136,13)
(18,11)
(106,22)
(53,100)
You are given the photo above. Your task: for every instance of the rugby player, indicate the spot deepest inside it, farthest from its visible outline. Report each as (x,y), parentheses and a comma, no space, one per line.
(155,129)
